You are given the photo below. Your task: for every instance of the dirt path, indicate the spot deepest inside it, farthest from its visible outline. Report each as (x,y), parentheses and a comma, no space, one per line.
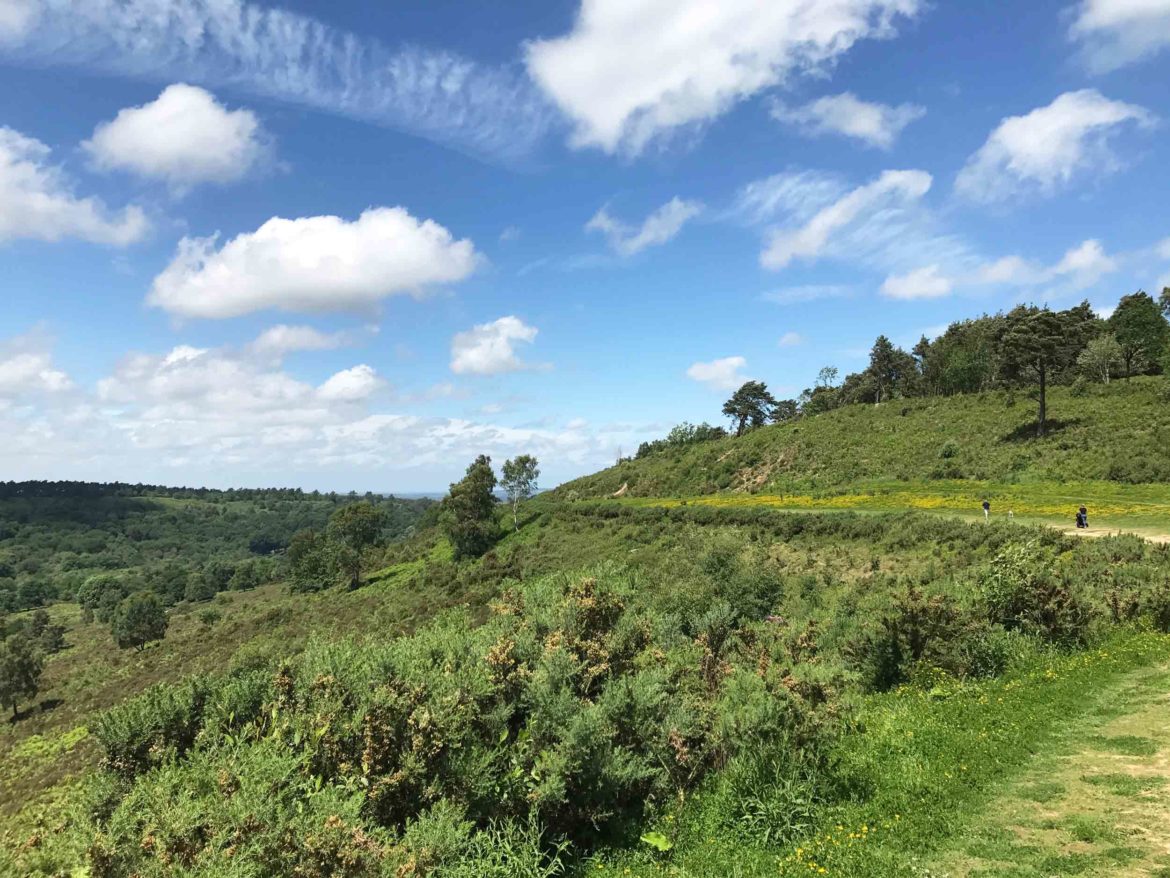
(1098,804)
(1152,536)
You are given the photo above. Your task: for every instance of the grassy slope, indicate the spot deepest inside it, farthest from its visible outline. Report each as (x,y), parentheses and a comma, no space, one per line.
(818,459)
(1119,430)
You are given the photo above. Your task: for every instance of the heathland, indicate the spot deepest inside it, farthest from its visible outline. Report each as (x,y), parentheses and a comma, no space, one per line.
(799,650)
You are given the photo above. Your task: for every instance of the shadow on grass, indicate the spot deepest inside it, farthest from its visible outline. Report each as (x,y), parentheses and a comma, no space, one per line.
(1026,432)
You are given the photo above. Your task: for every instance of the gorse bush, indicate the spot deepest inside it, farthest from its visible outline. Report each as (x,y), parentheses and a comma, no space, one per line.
(1023,592)
(571,711)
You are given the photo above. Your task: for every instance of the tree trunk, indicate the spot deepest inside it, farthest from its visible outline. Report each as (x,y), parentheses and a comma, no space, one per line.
(1043,403)
(516,515)
(15,715)
(739,429)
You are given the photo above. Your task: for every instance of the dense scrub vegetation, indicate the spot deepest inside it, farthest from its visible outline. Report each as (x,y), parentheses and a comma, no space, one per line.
(720,662)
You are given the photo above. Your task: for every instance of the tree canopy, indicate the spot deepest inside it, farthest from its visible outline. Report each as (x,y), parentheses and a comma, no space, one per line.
(518,479)
(139,620)
(468,512)
(750,406)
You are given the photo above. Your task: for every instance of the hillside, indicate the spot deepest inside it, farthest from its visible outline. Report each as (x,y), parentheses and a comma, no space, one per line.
(1117,432)
(683,680)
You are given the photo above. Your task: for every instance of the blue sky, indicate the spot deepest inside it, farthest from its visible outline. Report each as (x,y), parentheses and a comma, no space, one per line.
(351,245)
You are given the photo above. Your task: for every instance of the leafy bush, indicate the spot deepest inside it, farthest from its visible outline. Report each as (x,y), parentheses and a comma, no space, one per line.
(1023,593)
(569,712)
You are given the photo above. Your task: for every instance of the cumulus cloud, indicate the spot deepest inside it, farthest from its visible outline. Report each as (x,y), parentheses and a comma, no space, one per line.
(922,283)
(1114,33)
(281,55)
(1080,267)
(37,201)
(808,241)
(351,385)
(1043,151)
(632,70)
(224,417)
(722,374)
(282,339)
(658,228)
(845,114)
(183,138)
(318,263)
(490,348)
(26,368)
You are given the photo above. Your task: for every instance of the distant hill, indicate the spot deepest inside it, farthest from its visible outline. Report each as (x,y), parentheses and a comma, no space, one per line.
(1118,432)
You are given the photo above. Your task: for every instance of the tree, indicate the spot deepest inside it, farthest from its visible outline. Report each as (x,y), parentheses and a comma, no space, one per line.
(139,620)
(21,664)
(1164,302)
(1141,330)
(353,529)
(518,479)
(1101,356)
(827,377)
(785,410)
(883,367)
(469,510)
(750,406)
(1034,347)
(99,595)
(310,565)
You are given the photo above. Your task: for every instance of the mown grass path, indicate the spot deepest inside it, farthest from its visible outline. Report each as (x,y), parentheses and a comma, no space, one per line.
(936,770)
(1139,509)
(1098,802)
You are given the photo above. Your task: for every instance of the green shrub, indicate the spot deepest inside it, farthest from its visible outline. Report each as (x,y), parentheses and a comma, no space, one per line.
(569,712)
(1023,593)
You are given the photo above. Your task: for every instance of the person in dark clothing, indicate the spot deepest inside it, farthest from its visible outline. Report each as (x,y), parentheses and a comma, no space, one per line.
(1082,517)
(986,509)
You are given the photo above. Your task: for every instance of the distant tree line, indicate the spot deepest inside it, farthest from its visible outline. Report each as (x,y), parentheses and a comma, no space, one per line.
(54,536)
(1027,348)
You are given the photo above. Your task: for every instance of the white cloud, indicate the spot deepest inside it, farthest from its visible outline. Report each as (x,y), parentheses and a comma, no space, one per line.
(490,348)
(1043,151)
(278,55)
(808,241)
(282,339)
(16,18)
(223,417)
(184,137)
(633,70)
(26,368)
(37,201)
(1085,265)
(1081,267)
(872,123)
(351,385)
(658,228)
(1113,33)
(510,234)
(791,340)
(315,263)
(922,283)
(722,374)
(1164,248)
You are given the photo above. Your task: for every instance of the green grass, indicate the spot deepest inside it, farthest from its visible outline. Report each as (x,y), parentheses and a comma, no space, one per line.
(928,766)
(1118,432)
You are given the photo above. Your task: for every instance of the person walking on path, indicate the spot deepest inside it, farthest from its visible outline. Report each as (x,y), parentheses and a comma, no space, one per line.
(1083,517)
(986,510)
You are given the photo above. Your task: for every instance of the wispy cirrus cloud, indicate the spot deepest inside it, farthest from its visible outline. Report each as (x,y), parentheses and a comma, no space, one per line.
(288,57)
